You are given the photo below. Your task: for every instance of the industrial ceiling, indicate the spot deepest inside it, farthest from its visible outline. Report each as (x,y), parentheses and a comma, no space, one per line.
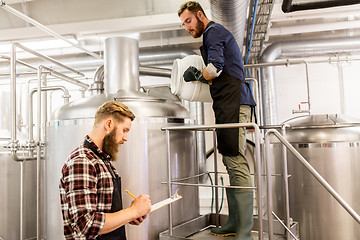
(156,24)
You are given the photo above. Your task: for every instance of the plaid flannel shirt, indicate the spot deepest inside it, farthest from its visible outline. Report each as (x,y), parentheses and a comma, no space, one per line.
(86,189)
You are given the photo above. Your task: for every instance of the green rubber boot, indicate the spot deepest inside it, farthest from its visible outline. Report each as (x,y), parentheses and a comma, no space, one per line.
(229,229)
(245,218)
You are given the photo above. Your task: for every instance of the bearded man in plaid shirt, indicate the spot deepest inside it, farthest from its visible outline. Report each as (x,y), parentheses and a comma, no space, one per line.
(90,188)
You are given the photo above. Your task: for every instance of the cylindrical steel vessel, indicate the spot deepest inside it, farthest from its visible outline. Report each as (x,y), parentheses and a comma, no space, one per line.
(331,144)
(142,161)
(10,172)
(10,183)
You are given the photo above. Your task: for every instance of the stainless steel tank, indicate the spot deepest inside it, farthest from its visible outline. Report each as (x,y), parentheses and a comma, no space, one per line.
(331,144)
(142,161)
(10,196)
(10,184)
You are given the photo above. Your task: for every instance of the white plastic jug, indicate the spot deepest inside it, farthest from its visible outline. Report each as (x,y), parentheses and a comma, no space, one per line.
(192,91)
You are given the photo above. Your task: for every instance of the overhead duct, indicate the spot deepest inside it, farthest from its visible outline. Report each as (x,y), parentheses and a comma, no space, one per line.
(289,6)
(295,49)
(232,15)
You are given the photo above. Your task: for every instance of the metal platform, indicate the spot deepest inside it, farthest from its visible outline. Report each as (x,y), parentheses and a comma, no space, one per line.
(199,228)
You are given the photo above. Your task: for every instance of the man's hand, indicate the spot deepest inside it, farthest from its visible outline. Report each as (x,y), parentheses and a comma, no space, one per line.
(138,221)
(193,74)
(142,204)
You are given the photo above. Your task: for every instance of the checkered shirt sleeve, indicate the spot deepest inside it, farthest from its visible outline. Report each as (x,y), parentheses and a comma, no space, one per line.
(86,193)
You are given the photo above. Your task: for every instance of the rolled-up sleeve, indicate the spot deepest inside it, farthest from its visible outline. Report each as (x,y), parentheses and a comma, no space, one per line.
(80,185)
(215,44)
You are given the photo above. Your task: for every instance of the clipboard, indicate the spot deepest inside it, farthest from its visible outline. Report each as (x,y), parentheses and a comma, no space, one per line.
(166,202)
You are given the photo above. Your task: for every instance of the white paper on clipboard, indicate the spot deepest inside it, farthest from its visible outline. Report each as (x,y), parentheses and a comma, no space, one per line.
(165,202)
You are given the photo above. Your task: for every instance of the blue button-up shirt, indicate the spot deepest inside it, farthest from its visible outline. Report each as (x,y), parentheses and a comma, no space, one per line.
(220,48)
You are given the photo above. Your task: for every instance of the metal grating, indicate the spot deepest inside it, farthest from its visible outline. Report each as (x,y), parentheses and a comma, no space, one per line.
(262,21)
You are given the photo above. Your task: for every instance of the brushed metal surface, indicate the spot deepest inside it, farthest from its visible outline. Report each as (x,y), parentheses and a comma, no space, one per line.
(142,161)
(10,197)
(334,151)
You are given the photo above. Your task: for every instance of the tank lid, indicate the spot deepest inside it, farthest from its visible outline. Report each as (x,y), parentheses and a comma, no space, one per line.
(129,95)
(322,121)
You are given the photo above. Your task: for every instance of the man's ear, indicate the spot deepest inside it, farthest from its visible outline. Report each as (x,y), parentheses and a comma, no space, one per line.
(200,15)
(108,124)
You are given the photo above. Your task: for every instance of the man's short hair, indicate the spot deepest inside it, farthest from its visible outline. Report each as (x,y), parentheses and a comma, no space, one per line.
(192,6)
(114,109)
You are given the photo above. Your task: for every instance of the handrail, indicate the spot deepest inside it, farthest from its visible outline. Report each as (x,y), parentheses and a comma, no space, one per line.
(308,166)
(213,128)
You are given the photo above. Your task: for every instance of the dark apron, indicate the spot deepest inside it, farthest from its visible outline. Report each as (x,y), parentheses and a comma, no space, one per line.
(116,205)
(225,92)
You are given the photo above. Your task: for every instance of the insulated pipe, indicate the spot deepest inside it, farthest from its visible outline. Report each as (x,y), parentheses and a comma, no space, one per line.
(232,14)
(298,49)
(155,57)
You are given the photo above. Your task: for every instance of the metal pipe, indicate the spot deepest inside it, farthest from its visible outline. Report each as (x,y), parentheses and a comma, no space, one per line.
(22,209)
(49,59)
(257,156)
(66,78)
(232,14)
(121,64)
(14,143)
(66,97)
(341,88)
(169,181)
(296,49)
(269,188)
(208,185)
(288,231)
(46,29)
(38,148)
(196,110)
(318,177)
(217,216)
(286,183)
(19,61)
(287,5)
(254,82)
(307,91)
(157,72)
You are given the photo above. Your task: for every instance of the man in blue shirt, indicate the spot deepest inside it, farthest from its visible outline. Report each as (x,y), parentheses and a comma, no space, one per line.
(232,103)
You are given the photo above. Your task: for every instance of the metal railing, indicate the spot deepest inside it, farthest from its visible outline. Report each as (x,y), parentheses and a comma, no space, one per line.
(213,128)
(318,177)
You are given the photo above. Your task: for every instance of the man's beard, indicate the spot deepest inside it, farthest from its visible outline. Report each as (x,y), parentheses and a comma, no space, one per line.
(199,28)
(110,146)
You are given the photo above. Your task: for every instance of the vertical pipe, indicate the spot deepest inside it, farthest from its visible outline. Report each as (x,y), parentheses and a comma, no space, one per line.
(341,88)
(286,183)
(13,91)
(22,212)
(269,187)
(258,179)
(217,216)
(197,113)
(121,64)
(308,85)
(38,148)
(256,96)
(169,180)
